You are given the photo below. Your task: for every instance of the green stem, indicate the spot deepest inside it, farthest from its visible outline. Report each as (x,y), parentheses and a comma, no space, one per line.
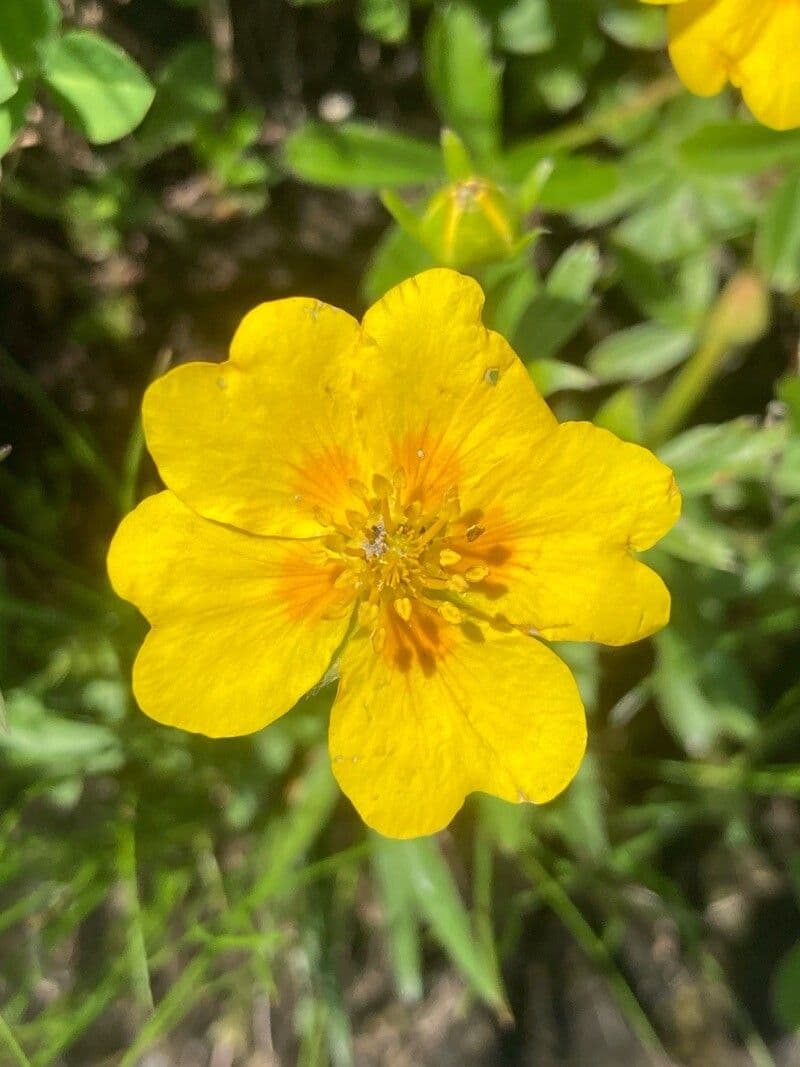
(482,881)
(597,951)
(767,781)
(687,390)
(131,465)
(759,1053)
(18,1056)
(135,946)
(583,132)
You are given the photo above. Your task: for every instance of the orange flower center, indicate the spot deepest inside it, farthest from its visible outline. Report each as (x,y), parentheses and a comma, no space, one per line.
(399,555)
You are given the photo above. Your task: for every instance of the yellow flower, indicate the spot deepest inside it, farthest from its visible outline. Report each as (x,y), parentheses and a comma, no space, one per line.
(751,43)
(402,485)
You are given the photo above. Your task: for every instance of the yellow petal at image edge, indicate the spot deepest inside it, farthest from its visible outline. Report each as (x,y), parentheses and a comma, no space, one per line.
(252,441)
(501,715)
(751,45)
(238,633)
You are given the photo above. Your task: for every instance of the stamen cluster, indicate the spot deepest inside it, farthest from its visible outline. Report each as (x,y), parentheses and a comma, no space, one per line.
(401,557)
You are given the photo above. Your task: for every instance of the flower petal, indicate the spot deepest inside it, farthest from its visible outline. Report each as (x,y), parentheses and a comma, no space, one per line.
(261,440)
(409,739)
(449,399)
(716,41)
(242,625)
(560,538)
(770,85)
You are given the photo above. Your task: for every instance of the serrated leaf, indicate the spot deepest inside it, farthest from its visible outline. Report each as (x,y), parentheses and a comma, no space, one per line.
(99,87)
(358,155)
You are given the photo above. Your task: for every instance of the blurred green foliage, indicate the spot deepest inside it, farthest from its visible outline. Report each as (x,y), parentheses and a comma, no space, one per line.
(641,250)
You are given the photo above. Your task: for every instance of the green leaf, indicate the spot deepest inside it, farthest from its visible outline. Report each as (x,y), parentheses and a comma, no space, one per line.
(738,148)
(786,990)
(707,457)
(704,694)
(698,539)
(510,286)
(463,77)
(552,376)
(398,256)
(525,27)
(385,19)
(788,390)
(639,353)
(576,181)
(357,155)
(575,272)
(667,228)
(622,414)
(440,903)
(8,81)
(27,32)
(400,912)
(635,27)
(12,115)
(557,313)
(778,236)
(99,87)
(39,741)
(188,93)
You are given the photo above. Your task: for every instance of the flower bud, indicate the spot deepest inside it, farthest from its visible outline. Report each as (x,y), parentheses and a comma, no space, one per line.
(470,221)
(741,315)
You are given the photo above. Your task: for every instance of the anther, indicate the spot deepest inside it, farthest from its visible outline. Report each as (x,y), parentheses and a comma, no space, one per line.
(335,542)
(448,557)
(476,574)
(378,638)
(403,608)
(450,613)
(474,532)
(323,517)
